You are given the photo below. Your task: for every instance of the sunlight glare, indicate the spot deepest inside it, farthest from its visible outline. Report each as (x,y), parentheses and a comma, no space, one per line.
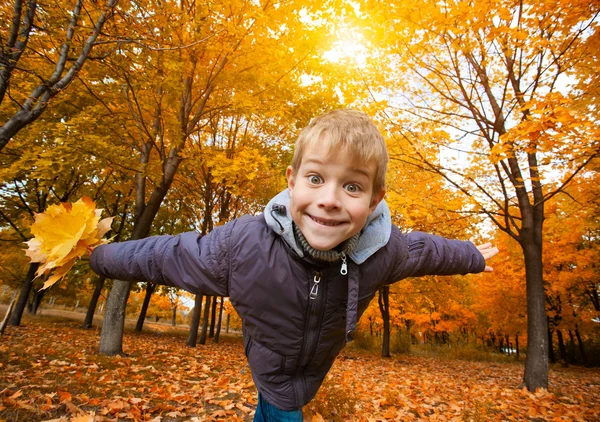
(348,46)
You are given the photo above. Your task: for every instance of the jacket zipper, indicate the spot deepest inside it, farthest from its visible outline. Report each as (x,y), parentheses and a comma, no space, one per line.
(344,269)
(314,290)
(313,327)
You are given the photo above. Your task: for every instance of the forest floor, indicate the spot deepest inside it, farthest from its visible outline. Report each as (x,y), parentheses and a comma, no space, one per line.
(50,370)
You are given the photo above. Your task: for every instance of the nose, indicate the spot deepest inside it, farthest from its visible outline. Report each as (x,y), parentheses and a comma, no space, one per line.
(328,197)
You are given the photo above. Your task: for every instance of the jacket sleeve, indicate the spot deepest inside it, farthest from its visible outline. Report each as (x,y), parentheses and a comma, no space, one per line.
(198,264)
(434,255)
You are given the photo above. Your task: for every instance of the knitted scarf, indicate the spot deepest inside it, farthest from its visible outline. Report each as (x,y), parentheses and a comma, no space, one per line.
(331,255)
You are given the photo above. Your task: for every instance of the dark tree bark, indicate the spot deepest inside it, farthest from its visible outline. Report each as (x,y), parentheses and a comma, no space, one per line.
(218,330)
(561,348)
(551,355)
(89,316)
(150,288)
(17,314)
(7,316)
(227,324)
(384,307)
(517,346)
(174,316)
(202,339)
(111,338)
(584,360)
(213,317)
(17,41)
(38,295)
(536,362)
(195,323)
(571,350)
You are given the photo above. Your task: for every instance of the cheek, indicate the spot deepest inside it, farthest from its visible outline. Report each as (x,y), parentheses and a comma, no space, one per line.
(360,211)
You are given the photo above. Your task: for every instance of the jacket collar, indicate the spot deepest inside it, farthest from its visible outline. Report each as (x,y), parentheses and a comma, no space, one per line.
(374,235)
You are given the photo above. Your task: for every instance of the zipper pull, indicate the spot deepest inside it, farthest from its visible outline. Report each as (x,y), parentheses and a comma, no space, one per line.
(344,269)
(315,287)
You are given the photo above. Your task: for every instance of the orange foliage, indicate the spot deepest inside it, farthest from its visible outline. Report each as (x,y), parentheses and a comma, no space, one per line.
(51,370)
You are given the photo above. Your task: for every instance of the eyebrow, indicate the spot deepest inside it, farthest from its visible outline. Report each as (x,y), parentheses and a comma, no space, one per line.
(353,169)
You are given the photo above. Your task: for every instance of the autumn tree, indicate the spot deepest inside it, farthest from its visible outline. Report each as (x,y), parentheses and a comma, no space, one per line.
(207,61)
(29,184)
(571,252)
(492,79)
(43,49)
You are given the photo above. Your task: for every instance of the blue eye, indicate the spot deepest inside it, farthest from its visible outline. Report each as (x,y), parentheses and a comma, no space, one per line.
(314,179)
(352,188)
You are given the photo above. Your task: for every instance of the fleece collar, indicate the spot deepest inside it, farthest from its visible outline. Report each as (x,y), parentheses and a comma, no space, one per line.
(373,236)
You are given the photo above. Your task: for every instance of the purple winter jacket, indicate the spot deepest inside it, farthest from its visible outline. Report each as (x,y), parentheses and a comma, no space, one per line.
(291,338)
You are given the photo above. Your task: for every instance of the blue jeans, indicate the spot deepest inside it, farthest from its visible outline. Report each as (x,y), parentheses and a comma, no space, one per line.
(266,412)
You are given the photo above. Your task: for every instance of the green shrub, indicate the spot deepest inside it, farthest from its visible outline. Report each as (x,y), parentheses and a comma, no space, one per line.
(365,341)
(400,342)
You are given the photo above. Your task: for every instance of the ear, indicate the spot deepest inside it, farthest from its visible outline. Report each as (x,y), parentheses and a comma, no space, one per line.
(291,178)
(376,199)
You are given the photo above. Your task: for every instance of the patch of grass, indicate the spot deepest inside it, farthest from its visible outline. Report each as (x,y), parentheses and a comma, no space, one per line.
(461,351)
(364,341)
(400,343)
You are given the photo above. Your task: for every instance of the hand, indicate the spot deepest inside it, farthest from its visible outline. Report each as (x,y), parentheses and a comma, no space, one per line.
(87,256)
(488,251)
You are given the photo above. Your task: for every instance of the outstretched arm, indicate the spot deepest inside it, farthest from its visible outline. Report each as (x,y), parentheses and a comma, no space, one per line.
(434,255)
(193,262)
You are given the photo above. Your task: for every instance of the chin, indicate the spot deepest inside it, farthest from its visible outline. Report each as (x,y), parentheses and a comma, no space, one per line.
(320,246)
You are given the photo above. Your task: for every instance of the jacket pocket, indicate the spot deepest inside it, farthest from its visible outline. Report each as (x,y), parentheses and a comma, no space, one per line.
(263,361)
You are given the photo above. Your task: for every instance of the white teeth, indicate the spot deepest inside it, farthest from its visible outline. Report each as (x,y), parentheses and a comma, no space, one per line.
(324,223)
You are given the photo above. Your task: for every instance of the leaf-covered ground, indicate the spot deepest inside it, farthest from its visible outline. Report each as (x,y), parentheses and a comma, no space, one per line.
(50,370)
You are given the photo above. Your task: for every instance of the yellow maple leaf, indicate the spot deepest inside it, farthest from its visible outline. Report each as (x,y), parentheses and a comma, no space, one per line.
(63,233)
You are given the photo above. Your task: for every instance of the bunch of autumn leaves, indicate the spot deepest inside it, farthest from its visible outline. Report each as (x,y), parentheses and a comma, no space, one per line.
(64,233)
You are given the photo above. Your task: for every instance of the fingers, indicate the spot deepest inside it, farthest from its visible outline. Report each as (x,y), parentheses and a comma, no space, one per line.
(487,250)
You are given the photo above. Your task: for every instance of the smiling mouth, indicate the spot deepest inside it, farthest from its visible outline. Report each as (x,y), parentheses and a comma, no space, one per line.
(327,223)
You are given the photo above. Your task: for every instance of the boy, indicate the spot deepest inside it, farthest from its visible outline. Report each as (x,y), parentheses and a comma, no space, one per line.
(301,274)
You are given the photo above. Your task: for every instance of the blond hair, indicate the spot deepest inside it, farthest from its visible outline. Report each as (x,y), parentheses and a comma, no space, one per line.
(350,131)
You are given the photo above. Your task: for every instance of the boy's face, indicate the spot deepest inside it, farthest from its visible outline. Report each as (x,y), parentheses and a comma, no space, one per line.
(331,196)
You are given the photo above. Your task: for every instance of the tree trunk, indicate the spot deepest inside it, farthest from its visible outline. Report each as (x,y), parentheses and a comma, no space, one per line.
(517,346)
(7,316)
(384,307)
(550,347)
(218,333)
(194,324)
(581,348)
(213,318)
(111,336)
(150,287)
(561,348)
(38,295)
(571,350)
(89,316)
(227,324)
(536,362)
(174,316)
(17,314)
(202,339)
